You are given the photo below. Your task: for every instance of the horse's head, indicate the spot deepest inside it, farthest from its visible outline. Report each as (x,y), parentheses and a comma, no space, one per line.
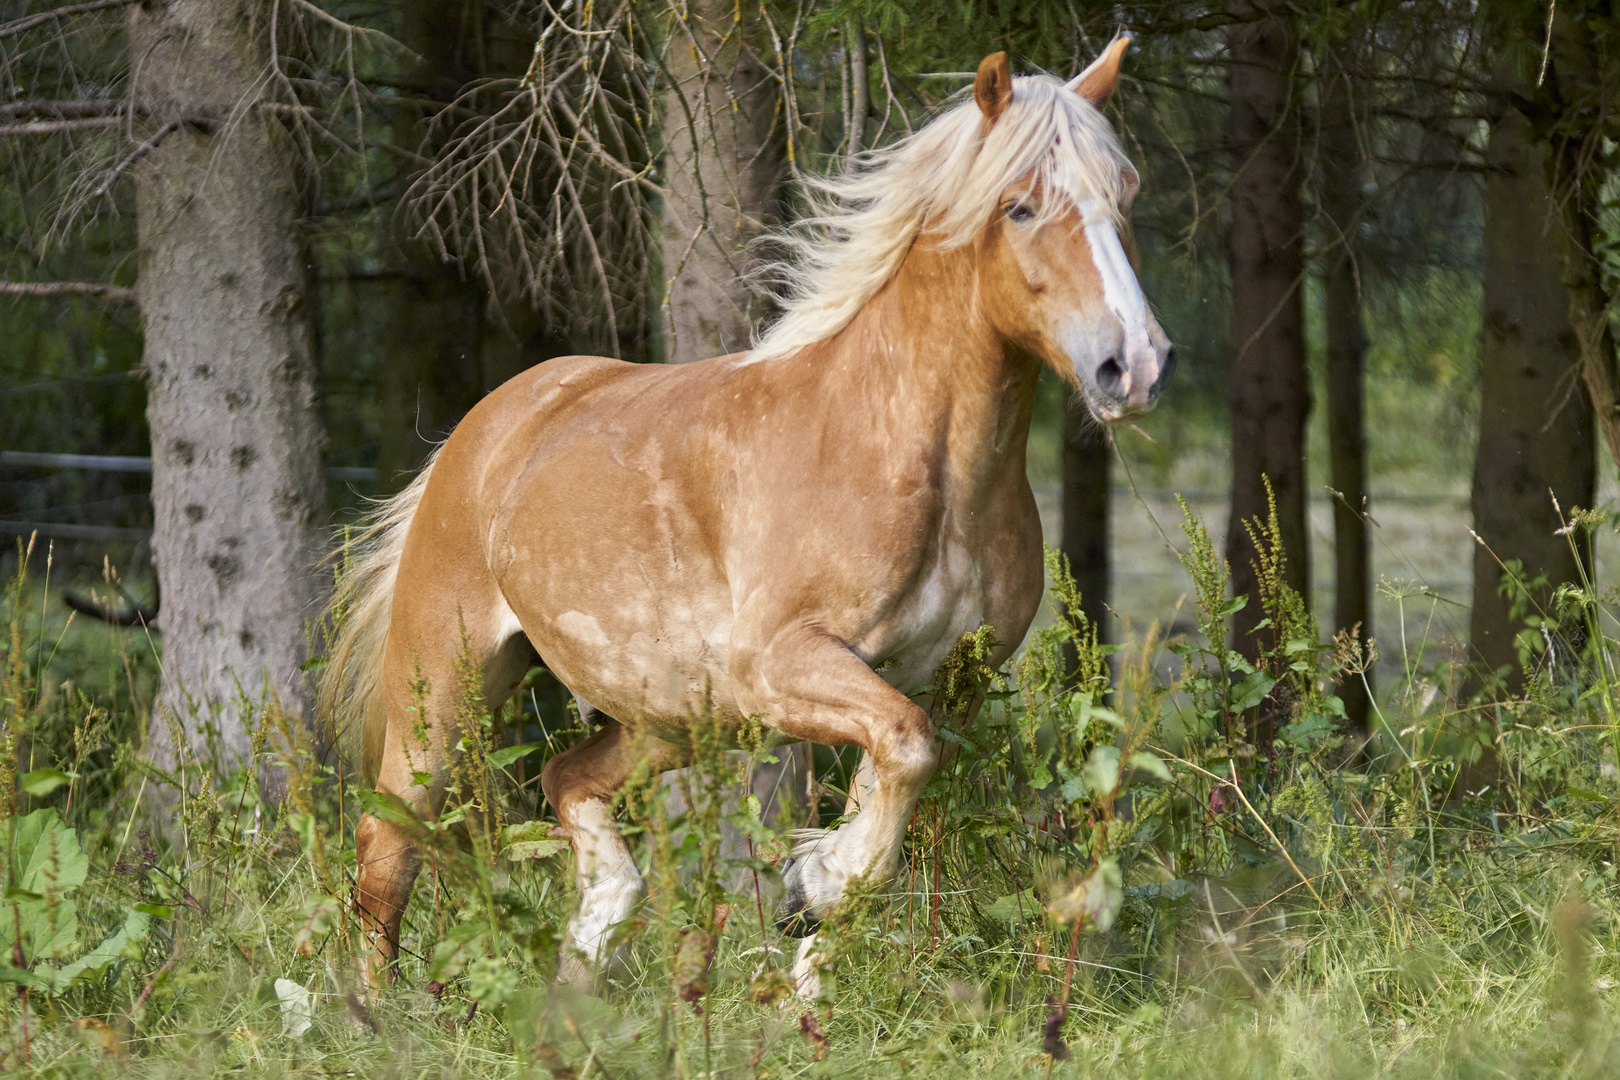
(1056,266)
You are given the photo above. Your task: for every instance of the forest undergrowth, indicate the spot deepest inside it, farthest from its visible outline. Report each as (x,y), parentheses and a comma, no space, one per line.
(1154,859)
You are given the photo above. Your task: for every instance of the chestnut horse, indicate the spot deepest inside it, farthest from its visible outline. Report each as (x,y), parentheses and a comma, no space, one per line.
(799,533)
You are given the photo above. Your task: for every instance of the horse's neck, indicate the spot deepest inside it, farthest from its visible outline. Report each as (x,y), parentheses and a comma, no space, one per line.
(970,395)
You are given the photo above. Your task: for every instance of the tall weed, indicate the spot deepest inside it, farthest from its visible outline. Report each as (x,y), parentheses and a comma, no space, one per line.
(1156,858)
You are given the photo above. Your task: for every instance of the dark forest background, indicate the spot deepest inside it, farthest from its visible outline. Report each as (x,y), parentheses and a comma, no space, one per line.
(1382,236)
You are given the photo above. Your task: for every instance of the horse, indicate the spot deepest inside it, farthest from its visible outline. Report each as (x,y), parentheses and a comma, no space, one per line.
(796,535)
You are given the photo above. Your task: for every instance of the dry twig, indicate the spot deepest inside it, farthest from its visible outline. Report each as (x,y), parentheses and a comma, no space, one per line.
(122,294)
(28,22)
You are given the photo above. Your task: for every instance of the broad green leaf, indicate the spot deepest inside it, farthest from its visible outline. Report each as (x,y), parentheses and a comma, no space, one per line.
(1150,763)
(50,927)
(1083,706)
(390,808)
(47,855)
(318,918)
(535,849)
(1102,771)
(1251,691)
(1014,907)
(19,977)
(42,782)
(1310,731)
(47,864)
(1096,899)
(1234,605)
(502,758)
(491,981)
(124,944)
(532,840)
(463,943)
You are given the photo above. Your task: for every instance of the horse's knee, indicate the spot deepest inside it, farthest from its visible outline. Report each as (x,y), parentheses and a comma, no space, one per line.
(905,752)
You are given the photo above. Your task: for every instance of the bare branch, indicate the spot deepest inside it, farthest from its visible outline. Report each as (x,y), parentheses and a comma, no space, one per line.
(136,154)
(92,605)
(62,110)
(23,25)
(121,294)
(57,127)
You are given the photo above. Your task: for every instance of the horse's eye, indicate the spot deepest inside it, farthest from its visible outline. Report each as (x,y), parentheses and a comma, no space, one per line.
(1018,213)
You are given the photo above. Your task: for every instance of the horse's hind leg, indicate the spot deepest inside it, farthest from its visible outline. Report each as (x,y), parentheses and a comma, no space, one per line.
(580,784)
(428,643)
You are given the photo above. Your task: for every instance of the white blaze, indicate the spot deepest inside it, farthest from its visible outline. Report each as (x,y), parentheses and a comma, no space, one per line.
(1121,291)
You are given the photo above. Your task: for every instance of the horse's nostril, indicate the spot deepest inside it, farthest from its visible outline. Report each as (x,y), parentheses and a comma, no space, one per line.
(1167,368)
(1111,378)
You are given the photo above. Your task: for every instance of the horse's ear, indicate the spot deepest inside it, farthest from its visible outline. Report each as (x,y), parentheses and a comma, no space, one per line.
(1098,81)
(992,86)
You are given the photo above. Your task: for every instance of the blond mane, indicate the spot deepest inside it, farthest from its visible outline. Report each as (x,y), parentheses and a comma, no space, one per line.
(944,181)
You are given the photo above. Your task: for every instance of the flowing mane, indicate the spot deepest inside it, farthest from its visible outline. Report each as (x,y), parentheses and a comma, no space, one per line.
(945,181)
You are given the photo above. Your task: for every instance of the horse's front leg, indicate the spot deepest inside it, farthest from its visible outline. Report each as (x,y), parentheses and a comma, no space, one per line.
(809,685)
(580,784)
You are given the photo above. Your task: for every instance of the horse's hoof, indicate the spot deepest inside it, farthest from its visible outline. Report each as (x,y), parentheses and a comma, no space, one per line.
(793,917)
(797,924)
(574,972)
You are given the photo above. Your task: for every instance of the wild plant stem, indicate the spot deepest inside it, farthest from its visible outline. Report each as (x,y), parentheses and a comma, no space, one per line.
(1068,969)
(759,902)
(146,991)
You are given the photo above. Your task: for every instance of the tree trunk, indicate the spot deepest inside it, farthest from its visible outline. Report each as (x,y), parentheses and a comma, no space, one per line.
(1085,510)
(237,487)
(723,163)
(1536,435)
(434,370)
(1341,165)
(723,166)
(1270,395)
(859,101)
(1580,89)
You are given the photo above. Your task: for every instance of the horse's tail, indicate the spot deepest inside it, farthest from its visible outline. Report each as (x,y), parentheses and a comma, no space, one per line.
(350,702)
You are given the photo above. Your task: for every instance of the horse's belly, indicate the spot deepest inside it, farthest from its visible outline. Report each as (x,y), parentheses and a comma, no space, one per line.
(661,668)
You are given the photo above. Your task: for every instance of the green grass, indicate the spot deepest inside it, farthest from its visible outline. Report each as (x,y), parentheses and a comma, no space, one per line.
(1334,909)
